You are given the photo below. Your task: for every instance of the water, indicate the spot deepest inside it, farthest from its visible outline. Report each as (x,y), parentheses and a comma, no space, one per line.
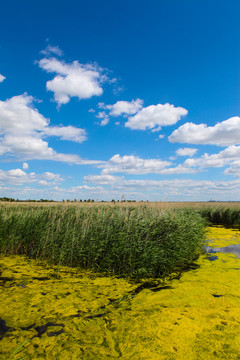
(233,249)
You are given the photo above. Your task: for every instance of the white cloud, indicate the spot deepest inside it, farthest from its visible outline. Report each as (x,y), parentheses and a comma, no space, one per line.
(179,169)
(130,164)
(49,50)
(224,133)
(119,108)
(73,80)
(23,128)
(70,133)
(186,152)
(104,118)
(176,189)
(19,177)
(43,182)
(25,166)
(2,78)
(102,179)
(16,173)
(104,121)
(123,107)
(154,117)
(114,187)
(220,159)
(233,169)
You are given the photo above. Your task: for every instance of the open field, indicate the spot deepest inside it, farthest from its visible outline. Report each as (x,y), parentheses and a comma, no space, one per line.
(165,205)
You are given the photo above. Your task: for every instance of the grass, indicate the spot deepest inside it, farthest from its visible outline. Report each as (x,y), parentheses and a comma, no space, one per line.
(134,241)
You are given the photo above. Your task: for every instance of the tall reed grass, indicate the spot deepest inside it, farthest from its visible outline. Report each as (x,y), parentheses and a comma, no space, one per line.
(221,215)
(127,241)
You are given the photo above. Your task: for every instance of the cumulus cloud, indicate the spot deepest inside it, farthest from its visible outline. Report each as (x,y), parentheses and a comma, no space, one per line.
(186,152)
(73,80)
(123,107)
(220,159)
(104,118)
(224,133)
(25,166)
(70,133)
(2,78)
(154,117)
(19,177)
(233,169)
(23,130)
(131,164)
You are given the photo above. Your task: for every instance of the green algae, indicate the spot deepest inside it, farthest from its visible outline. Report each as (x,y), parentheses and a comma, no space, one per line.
(219,236)
(64,313)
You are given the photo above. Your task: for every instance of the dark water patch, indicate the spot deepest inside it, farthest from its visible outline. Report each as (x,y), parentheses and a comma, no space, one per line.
(224,322)
(79,314)
(191,267)
(112,300)
(153,286)
(41,278)
(95,316)
(29,327)
(55,333)
(216,296)
(212,258)
(4,279)
(42,329)
(161,288)
(23,286)
(4,328)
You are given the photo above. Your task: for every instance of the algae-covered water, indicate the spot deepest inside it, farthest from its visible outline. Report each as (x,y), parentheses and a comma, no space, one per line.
(64,313)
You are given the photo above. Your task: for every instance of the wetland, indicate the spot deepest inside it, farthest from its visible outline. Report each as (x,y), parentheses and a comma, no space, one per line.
(59,312)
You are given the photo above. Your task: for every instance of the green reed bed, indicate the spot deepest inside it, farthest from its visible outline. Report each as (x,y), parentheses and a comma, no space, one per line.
(221,215)
(126,241)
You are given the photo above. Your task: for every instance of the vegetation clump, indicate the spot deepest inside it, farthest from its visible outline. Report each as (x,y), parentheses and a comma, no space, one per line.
(137,242)
(220,215)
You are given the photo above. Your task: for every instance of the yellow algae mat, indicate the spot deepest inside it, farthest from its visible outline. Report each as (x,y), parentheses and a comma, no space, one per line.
(55,313)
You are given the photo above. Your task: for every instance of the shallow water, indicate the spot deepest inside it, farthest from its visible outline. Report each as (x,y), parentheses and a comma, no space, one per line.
(233,249)
(64,313)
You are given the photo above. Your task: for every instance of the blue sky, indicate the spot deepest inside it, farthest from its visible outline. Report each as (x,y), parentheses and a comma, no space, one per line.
(112,99)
